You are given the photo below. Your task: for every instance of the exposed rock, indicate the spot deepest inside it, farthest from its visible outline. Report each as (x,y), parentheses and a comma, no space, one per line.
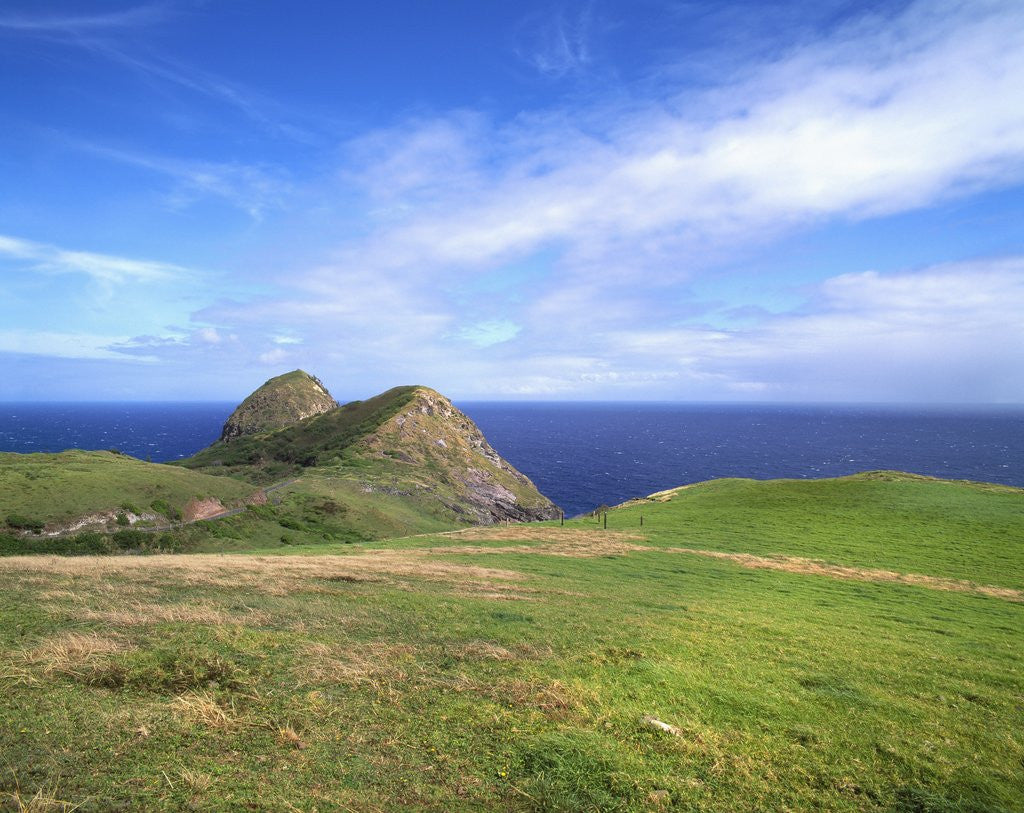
(99,521)
(431,434)
(202,509)
(280,402)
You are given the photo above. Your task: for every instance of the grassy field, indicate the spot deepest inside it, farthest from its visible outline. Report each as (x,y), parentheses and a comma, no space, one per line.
(854,644)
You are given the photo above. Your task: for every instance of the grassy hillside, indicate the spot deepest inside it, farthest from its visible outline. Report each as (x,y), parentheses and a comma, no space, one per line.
(409,442)
(880,519)
(321,440)
(280,402)
(520,667)
(57,488)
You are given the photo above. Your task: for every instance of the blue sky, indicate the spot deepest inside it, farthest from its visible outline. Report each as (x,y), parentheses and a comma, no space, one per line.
(767,201)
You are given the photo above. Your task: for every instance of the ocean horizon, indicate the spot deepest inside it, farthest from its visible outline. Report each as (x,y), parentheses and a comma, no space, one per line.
(585,454)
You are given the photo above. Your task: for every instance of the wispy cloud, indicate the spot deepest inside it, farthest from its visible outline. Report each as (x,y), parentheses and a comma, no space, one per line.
(103,268)
(68,24)
(270,115)
(887,116)
(556,44)
(55,344)
(114,36)
(625,204)
(251,188)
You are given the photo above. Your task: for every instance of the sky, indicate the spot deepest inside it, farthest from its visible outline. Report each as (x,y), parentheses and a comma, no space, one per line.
(665,200)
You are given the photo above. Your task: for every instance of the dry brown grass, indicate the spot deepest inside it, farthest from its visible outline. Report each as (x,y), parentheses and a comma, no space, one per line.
(549,541)
(73,653)
(553,699)
(485,650)
(375,663)
(142,613)
(42,801)
(815,567)
(202,708)
(273,575)
(288,736)
(196,781)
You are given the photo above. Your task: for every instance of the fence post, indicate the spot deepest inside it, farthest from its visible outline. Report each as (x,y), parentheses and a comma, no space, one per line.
(606,519)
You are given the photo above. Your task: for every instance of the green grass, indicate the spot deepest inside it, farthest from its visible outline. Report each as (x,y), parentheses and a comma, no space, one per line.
(410,675)
(278,403)
(57,488)
(321,440)
(890,520)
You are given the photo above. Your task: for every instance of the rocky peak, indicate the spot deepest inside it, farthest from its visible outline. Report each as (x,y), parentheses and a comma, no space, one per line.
(429,431)
(280,402)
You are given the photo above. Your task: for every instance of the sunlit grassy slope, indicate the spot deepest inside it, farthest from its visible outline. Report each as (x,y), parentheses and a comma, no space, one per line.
(513,667)
(53,488)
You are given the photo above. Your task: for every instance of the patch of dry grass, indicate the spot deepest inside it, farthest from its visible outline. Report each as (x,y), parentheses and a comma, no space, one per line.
(549,541)
(73,653)
(816,567)
(143,613)
(42,801)
(485,650)
(288,736)
(202,708)
(374,663)
(553,699)
(273,575)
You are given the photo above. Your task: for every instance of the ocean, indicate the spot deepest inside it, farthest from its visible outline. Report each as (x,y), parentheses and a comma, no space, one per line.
(586,454)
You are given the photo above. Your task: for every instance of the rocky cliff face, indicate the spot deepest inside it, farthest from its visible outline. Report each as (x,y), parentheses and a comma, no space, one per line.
(428,434)
(280,402)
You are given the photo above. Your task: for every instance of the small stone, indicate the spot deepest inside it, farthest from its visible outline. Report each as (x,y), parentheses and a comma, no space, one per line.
(654,722)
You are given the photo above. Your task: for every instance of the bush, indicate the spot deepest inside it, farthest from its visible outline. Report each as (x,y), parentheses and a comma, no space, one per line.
(130,538)
(89,543)
(22,523)
(131,508)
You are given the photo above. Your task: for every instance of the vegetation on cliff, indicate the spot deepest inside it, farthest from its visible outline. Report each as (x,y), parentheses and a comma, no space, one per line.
(409,442)
(280,402)
(403,462)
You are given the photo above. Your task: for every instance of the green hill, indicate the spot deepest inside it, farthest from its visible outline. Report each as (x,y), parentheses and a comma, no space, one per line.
(878,519)
(320,440)
(50,492)
(403,462)
(846,645)
(408,442)
(280,402)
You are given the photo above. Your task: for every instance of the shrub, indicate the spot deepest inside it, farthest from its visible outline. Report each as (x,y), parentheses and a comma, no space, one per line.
(22,523)
(89,543)
(130,538)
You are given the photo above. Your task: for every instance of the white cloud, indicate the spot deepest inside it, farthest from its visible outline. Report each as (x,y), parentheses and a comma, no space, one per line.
(275,356)
(84,23)
(887,115)
(556,44)
(101,267)
(906,335)
(251,188)
(66,345)
(209,335)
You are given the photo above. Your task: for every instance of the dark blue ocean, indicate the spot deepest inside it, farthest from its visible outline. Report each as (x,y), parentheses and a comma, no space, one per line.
(582,455)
